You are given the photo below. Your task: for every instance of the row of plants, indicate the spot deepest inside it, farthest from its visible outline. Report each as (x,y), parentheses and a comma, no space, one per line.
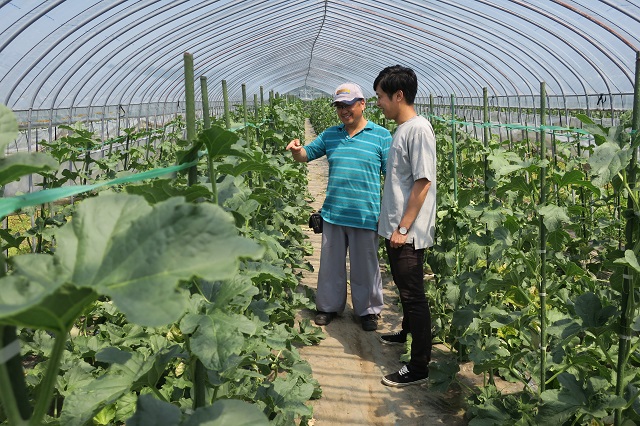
(160,302)
(535,264)
(549,317)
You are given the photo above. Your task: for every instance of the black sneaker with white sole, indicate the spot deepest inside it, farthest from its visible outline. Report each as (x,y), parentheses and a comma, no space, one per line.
(397,338)
(404,377)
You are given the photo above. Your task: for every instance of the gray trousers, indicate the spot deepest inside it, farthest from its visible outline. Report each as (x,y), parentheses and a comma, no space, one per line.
(366,282)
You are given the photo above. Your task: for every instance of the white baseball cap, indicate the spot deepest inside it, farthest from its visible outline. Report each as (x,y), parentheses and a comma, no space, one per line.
(347,93)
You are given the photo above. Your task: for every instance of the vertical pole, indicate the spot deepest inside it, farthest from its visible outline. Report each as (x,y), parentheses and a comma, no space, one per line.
(199,372)
(261,102)
(455,155)
(627,304)
(430,103)
(244,109)
(190,109)
(485,140)
(225,100)
(543,241)
(256,111)
(206,115)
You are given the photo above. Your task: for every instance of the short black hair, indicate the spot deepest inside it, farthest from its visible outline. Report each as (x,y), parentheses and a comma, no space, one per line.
(394,78)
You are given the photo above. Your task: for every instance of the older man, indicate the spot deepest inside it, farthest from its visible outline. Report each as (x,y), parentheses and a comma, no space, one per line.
(357,154)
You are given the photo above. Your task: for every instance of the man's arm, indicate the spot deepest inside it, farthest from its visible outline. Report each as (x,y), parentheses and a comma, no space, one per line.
(297,150)
(416,200)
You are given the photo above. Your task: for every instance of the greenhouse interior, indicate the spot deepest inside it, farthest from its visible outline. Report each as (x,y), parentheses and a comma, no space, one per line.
(155,227)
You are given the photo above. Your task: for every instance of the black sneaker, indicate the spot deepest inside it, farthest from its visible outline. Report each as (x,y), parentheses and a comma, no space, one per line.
(404,377)
(324,318)
(370,322)
(397,338)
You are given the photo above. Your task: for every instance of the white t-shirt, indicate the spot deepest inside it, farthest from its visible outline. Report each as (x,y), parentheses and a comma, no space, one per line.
(412,156)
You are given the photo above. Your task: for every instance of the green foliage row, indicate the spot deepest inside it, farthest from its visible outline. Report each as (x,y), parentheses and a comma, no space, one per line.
(487,302)
(162,302)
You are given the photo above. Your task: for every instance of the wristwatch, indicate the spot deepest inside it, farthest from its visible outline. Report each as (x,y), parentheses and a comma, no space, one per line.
(402,230)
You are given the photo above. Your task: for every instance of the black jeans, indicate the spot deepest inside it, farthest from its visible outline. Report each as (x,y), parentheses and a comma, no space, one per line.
(407,270)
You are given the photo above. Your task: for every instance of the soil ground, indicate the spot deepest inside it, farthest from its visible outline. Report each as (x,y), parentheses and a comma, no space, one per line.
(349,363)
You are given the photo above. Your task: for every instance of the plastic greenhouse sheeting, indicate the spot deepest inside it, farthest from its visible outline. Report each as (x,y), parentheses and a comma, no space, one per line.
(74,53)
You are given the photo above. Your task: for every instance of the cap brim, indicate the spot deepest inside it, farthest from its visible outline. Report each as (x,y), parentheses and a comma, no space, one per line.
(351,102)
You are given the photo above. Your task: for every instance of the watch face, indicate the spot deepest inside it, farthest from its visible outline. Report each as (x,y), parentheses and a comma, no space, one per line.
(403,230)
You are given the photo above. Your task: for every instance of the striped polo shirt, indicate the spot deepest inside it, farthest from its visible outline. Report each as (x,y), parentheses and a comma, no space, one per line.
(355,165)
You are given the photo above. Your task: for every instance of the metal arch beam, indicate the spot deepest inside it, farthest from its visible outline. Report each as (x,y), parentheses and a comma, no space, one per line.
(597,22)
(164,44)
(478,84)
(193,37)
(286,71)
(122,31)
(470,58)
(236,51)
(624,12)
(457,44)
(171,77)
(112,37)
(33,65)
(347,52)
(63,58)
(231,65)
(162,64)
(548,68)
(33,19)
(554,18)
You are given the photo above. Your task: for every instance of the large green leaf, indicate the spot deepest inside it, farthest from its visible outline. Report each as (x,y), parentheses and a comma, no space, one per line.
(589,308)
(126,367)
(228,412)
(220,142)
(153,412)
(214,338)
(117,245)
(607,161)
(554,216)
(224,412)
(290,395)
(23,163)
(162,189)
(136,254)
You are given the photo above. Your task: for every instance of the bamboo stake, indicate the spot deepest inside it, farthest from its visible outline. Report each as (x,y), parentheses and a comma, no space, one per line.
(225,100)
(190,109)
(631,231)
(543,242)
(205,102)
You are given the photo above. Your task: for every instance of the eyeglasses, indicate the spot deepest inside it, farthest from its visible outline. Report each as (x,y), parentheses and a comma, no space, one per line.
(345,106)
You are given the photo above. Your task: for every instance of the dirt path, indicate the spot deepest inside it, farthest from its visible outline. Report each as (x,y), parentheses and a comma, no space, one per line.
(350,362)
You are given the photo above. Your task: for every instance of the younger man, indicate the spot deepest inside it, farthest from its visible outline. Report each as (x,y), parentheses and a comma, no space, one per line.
(407,217)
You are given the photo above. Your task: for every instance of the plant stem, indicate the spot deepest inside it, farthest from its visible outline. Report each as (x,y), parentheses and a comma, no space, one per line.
(7,395)
(47,386)
(213,178)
